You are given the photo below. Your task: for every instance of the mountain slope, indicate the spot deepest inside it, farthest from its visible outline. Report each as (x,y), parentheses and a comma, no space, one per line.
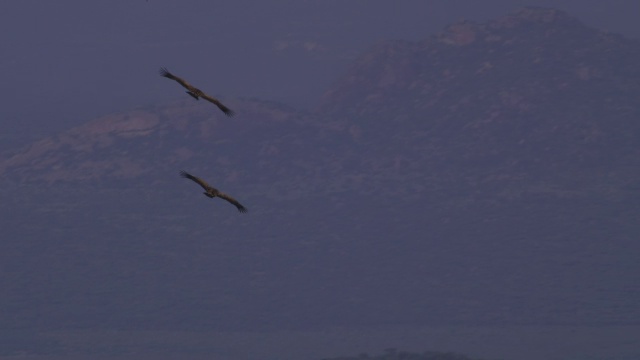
(536,90)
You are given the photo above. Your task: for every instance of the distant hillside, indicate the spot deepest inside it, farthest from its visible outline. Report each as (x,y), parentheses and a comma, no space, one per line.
(486,175)
(535,94)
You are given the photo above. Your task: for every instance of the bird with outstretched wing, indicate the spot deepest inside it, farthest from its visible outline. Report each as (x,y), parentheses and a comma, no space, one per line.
(195,92)
(212,192)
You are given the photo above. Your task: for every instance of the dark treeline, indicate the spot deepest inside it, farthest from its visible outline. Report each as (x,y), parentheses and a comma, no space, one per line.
(395,354)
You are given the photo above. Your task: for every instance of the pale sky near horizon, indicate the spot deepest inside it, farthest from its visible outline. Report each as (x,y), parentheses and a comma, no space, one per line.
(69,61)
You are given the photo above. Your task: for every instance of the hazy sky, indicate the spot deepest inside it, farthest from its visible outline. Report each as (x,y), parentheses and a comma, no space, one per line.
(68,61)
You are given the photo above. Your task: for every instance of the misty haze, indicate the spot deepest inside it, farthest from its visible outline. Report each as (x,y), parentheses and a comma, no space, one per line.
(344,180)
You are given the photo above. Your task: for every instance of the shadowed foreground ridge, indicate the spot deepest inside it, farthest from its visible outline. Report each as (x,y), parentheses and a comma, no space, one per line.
(394,354)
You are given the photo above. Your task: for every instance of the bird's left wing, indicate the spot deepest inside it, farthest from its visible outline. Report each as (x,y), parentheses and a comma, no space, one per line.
(164,72)
(199,181)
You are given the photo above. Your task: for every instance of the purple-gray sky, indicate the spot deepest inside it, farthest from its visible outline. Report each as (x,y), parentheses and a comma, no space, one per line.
(68,61)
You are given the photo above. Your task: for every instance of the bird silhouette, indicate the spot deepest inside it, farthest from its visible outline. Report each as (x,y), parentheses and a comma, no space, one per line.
(195,92)
(212,192)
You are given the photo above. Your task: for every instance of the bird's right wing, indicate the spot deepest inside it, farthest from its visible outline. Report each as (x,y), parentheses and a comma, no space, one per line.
(220,106)
(164,72)
(200,182)
(235,202)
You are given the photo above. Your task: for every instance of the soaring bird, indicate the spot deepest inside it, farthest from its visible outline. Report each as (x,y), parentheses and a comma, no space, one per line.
(195,92)
(212,192)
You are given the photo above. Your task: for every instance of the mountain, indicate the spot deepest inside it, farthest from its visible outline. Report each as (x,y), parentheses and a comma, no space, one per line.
(534,89)
(486,175)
